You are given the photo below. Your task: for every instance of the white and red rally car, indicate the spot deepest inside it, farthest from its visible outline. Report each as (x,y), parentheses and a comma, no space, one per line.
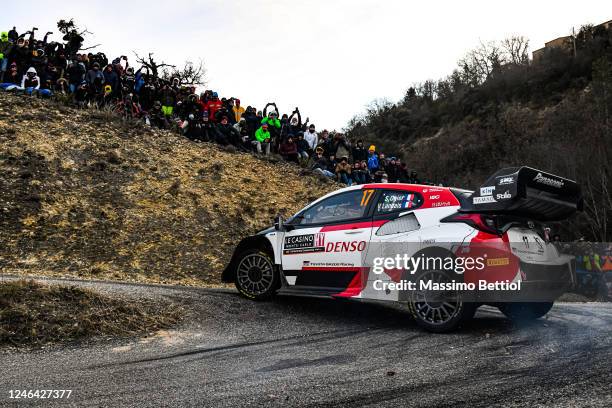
(329,248)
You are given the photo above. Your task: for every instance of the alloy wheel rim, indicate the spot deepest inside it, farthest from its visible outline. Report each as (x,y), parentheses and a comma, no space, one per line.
(255,274)
(437,307)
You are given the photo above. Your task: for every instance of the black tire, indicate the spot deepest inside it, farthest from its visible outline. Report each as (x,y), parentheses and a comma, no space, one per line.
(256,276)
(439,312)
(525,311)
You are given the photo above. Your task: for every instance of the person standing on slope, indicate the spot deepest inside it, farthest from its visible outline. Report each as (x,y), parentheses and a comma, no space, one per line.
(372,159)
(237,110)
(312,138)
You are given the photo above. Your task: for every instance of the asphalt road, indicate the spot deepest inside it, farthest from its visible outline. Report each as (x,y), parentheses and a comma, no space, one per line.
(317,352)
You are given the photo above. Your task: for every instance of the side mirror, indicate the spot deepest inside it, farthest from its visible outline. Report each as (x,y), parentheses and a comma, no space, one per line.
(278,223)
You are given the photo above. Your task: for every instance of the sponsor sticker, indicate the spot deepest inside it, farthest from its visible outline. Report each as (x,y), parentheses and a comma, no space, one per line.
(540,178)
(486,191)
(498,261)
(505,180)
(299,241)
(345,246)
(484,200)
(299,244)
(310,264)
(504,196)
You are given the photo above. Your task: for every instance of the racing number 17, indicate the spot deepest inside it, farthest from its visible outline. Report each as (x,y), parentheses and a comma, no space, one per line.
(365,199)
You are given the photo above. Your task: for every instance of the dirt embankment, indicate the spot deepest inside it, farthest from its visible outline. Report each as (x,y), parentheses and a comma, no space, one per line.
(83,193)
(34,314)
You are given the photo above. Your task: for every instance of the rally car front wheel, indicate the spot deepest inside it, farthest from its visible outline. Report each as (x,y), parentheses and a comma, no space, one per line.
(439,311)
(256,276)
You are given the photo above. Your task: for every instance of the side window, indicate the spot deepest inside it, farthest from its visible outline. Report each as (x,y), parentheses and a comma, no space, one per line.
(399,225)
(341,207)
(392,201)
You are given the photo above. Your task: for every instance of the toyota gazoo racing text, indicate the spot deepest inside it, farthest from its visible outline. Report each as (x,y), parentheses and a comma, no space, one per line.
(444,251)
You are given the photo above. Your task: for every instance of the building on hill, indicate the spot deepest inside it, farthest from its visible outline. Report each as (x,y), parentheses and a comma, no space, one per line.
(563,43)
(607,25)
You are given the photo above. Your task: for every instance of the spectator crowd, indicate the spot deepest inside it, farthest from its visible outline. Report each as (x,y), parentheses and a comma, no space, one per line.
(593,266)
(44,68)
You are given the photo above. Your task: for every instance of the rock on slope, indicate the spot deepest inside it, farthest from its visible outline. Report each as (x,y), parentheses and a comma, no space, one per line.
(84,194)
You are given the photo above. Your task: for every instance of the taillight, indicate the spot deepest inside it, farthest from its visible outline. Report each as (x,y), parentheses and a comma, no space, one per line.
(481,222)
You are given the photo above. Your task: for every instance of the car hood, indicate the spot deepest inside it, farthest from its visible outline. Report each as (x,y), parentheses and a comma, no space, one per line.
(266,231)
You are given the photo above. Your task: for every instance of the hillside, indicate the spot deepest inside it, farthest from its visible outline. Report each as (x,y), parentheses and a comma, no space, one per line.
(501,109)
(85,194)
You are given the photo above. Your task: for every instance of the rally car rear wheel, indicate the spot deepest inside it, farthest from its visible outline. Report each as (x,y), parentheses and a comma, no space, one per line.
(256,276)
(525,310)
(439,311)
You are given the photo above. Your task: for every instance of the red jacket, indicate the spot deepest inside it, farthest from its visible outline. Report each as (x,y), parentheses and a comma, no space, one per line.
(287,148)
(212,107)
(203,106)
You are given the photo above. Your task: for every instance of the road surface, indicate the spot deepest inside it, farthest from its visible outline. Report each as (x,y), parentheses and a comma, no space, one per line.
(317,352)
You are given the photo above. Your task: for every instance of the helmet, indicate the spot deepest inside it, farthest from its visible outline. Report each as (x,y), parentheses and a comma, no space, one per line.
(31,71)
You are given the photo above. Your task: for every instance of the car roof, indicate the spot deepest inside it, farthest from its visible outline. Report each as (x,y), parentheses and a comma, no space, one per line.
(421,188)
(403,186)
(390,186)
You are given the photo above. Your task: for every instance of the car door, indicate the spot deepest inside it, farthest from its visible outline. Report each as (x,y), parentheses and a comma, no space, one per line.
(397,233)
(325,245)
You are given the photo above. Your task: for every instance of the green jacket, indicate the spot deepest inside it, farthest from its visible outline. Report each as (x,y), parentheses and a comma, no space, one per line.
(5,45)
(592,262)
(262,134)
(271,122)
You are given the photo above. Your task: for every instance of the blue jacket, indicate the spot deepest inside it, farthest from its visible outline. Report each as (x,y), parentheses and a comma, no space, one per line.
(139,82)
(372,161)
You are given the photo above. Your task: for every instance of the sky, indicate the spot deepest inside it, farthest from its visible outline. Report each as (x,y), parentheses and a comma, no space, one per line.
(330,58)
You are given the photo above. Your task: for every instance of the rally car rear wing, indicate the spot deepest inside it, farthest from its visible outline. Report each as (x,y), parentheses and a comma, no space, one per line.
(524,192)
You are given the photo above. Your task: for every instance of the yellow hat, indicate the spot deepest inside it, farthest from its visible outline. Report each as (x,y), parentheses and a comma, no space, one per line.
(372,148)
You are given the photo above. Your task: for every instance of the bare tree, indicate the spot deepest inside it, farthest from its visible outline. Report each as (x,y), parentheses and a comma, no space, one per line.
(377,106)
(479,64)
(516,50)
(73,37)
(153,66)
(429,90)
(189,74)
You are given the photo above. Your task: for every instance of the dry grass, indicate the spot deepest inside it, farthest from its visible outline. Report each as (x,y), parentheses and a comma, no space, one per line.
(34,314)
(88,195)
